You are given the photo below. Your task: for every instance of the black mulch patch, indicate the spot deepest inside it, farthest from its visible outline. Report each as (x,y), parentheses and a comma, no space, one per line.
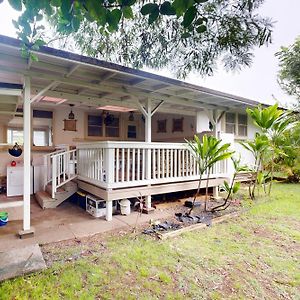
(201,218)
(183,219)
(164,226)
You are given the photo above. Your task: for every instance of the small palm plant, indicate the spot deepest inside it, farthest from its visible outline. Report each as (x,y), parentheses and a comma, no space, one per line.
(257,147)
(232,188)
(207,153)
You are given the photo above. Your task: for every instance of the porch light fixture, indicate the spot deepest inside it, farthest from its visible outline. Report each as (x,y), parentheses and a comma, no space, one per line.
(71,114)
(131,116)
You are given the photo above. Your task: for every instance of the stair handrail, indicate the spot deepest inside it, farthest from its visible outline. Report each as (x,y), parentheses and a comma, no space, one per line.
(48,168)
(61,173)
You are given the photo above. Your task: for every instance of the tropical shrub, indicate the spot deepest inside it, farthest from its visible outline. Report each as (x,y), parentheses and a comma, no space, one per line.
(257,147)
(273,123)
(233,187)
(207,152)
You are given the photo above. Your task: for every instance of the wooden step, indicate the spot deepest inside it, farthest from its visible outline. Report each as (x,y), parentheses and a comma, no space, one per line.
(46,201)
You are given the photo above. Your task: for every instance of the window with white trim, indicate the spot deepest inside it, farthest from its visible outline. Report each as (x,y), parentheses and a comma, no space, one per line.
(41,128)
(15,135)
(236,123)
(40,136)
(98,127)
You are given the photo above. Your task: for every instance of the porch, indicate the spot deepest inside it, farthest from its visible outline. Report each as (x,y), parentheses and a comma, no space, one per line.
(120,170)
(109,169)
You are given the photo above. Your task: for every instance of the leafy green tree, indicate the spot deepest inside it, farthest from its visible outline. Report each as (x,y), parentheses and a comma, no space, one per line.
(257,147)
(207,152)
(183,35)
(289,157)
(289,74)
(273,122)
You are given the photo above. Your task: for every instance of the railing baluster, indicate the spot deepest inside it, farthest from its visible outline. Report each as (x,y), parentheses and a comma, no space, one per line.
(179,163)
(117,165)
(143,165)
(153,163)
(163,163)
(133,165)
(128,164)
(171,162)
(158,163)
(123,165)
(176,163)
(138,164)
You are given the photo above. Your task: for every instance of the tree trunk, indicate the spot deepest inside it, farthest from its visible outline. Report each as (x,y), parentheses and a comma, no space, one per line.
(272,172)
(255,181)
(197,193)
(206,190)
(227,198)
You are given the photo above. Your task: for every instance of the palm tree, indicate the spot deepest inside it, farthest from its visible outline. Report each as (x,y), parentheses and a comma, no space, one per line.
(207,153)
(273,122)
(257,147)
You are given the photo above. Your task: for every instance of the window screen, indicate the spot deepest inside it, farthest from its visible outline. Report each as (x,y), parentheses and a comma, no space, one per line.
(95,125)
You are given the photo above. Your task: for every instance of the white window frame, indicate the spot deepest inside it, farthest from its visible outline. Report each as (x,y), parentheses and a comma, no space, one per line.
(237,124)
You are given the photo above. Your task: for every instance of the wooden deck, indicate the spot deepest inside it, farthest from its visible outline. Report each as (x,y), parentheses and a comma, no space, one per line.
(133,192)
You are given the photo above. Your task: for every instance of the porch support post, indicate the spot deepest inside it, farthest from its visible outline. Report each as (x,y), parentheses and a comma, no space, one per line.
(108,215)
(212,116)
(148,139)
(26,158)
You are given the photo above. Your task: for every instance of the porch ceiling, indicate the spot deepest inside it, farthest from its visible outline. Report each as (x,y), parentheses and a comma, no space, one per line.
(88,82)
(9,101)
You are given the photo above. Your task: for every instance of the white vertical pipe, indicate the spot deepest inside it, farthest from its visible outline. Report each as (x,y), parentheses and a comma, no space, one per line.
(108,216)
(26,153)
(148,139)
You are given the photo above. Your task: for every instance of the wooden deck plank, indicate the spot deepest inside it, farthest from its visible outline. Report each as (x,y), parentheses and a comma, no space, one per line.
(131,192)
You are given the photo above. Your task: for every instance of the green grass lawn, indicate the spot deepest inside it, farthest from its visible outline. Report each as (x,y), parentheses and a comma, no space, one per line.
(256,256)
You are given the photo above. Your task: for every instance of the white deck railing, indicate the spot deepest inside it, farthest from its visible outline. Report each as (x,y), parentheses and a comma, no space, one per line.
(48,166)
(128,164)
(61,167)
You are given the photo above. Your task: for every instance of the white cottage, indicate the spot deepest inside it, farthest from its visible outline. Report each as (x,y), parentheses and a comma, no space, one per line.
(113,131)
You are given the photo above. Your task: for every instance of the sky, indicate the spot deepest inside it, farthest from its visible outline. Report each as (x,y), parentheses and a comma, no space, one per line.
(259,82)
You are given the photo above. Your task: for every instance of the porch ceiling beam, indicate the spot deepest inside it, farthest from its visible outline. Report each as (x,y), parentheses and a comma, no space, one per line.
(68,74)
(177,111)
(42,92)
(211,116)
(214,116)
(220,116)
(136,81)
(107,76)
(120,71)
(72,70)
(86,99)
(167,97)
(157,107)
(13,59)
(93,101)
(4,112)
(124,90)
(10,92)
(160,86)
(142,108)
